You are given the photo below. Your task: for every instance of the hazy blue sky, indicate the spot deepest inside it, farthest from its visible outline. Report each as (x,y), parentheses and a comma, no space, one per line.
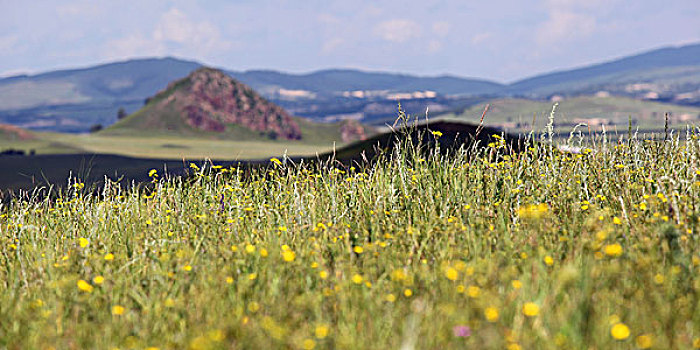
(502,40)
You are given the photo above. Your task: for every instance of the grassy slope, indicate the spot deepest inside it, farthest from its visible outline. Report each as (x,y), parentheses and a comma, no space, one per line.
(617,109)
(144,123)
(544,250)
(132,154)
(152,121)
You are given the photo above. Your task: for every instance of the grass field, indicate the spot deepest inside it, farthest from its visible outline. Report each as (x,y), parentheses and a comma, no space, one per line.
(163,146)
(60,156)
(517,115)
(476,249)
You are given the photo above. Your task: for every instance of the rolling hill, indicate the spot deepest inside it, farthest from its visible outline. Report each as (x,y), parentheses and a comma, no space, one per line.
(673,69)
(131,80)
(73,100)
(209,101)
(13,133)
(517,114)
(210,104)
(334,81)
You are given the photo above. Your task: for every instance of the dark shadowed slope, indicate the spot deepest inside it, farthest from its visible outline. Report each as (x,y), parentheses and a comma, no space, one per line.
(28,172)
(450,136)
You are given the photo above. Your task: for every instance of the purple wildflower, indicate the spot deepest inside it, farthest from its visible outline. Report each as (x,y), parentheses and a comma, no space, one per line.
(462,331)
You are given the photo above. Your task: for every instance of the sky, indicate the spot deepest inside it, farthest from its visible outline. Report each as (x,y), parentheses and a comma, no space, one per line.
(501,40)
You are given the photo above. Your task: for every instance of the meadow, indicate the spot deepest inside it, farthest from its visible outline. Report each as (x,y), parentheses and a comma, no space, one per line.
(517,115)
(420,249)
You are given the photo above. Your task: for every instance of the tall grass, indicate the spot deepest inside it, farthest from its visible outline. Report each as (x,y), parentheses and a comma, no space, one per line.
(480,248)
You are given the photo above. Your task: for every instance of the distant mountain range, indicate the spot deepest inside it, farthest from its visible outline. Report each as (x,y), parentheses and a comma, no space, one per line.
(334,81)
(673,69)
(73,100)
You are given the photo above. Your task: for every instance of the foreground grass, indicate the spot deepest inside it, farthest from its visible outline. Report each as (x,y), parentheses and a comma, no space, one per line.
(475,249)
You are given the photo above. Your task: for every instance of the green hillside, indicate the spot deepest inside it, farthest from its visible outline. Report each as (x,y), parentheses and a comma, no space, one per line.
(169,124)
(674,65)
(517,115)
(211,105)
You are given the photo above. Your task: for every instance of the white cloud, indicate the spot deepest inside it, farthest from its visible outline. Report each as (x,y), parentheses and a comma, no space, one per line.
(398,30)
(565,25)
(133,45)
(570,20)
(8,43)
(175,27)
(480,38)
(328,19)
(434,46)
(81,8)
(331,45)
(373,10)
(174,33)
(441,29)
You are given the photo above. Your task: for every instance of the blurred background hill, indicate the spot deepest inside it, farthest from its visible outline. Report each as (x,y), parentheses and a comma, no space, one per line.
(74,100)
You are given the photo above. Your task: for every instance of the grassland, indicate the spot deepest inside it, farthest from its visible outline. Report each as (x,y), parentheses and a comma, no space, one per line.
(517,115)
(163,146)
(130,157)
(478,249)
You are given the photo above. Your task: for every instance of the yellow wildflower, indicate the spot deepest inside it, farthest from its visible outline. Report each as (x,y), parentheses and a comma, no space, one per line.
(533,211)
(491,314)
(117,310)
(613,250)
(620,331)
(249,248)
(84,286)
(253,306)
(308,344)
(288,255)
(644,341)
(514,346)
(321,331)
(531,309)
(451,273)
